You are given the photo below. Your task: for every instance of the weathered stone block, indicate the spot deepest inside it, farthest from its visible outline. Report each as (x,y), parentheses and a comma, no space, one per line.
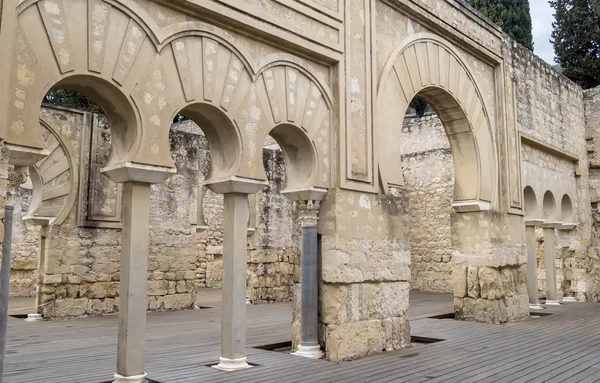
(158,287)
(104,290)
(64,308)
(52,278)
(491,284)
(472,282)
(178,301)
(460,281)
(353,340)
(384,300)
(214,250)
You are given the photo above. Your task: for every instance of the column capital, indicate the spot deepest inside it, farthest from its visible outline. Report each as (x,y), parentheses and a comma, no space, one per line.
(308,212)
(234,184)
(134,172)
(305,194)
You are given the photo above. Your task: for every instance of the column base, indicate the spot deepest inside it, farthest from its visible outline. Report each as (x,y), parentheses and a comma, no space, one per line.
(536,306)
(569,299)
(313,352)
(552,303)
(232,364)
(34,318)
(130,379)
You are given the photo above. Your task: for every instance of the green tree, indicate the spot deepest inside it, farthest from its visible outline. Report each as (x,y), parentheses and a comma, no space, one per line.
(419,105)
(511,15)
(576,40)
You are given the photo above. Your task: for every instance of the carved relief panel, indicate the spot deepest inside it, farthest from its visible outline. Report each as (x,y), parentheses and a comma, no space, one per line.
(100,197)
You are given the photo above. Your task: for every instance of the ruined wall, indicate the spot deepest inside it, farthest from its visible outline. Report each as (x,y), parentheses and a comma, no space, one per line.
(550,111)
(429,181)
(592,135)
(82,263)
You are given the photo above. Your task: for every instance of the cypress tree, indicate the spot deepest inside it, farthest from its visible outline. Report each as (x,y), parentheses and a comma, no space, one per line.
(511,15)
(576,40)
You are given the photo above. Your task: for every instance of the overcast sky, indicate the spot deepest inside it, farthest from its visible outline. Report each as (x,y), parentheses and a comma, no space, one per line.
(541,18)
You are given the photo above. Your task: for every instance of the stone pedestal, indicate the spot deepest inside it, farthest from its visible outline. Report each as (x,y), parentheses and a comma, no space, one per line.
(550,266)
(532,278)
(235,220)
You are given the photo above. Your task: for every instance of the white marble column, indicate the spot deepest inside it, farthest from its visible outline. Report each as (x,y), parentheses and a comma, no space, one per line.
(132,293)
(550,265)
(235,221)
(532,277)
(135,237)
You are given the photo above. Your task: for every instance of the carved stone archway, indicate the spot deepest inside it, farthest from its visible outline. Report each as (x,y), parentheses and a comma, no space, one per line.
(429,67)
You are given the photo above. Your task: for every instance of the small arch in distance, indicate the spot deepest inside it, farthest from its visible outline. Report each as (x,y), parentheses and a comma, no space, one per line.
(549,206)
(566,209)
(531,204)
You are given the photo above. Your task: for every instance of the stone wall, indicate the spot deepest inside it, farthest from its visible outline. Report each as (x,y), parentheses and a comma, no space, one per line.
(592,135)
(429,181)
(81,276)
(549,111)
(365,271)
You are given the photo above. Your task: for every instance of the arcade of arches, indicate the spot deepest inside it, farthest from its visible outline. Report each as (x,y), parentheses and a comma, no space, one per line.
(330,81)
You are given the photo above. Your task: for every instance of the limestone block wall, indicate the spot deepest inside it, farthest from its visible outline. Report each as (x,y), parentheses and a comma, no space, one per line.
(82,273)
(549,111)
(429,181)
(365,271)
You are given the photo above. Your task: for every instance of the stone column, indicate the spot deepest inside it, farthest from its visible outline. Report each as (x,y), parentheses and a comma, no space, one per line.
(131,342)
(532,279)
(309,200)
(235,220)
(550,265)
(309,331)
(132,292)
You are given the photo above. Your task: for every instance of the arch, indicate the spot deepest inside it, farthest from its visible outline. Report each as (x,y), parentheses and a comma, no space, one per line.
(566,209)
(429,67)
(49,55)
(224,140)
(299,154)
(153,73)
(55,180)
(549,207)
(531,204)
(293,106)
(122,115)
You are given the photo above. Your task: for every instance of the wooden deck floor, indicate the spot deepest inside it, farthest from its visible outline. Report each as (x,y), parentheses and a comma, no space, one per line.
(562,347)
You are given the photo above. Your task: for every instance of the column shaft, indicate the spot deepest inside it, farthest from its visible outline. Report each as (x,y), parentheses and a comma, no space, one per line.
(233,322)
(309,335)
(532,278)
(309,308)
(132,293)
(550,265)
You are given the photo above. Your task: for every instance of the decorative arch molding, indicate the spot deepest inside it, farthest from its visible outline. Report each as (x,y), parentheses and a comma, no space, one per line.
(297,111)
(54,178)
(154,70)
(428,66)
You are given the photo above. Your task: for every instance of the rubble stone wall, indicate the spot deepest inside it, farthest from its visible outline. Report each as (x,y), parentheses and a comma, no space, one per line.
(591,285)
(429,181)
(550,111)
(82,274)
